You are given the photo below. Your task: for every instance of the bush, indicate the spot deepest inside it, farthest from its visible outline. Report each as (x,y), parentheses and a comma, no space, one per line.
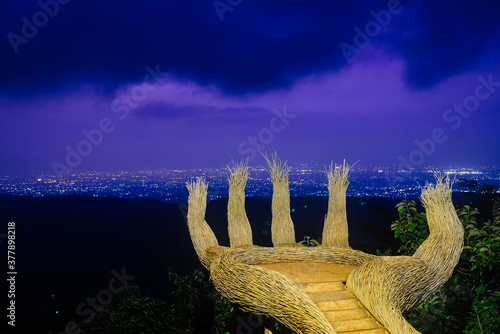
(196,307)
(129,313)
(470,301)
(410,228)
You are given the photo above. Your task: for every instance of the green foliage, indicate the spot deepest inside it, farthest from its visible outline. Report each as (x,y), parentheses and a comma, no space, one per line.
(480,265)
(196,307)
(442,312)
(410,228)
(481,245)
(485,317)
(130,313)
(308,242)
(387,252)
(275,327)
(470,301)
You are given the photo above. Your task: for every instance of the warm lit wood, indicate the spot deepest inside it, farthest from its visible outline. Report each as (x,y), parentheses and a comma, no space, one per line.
(324,284)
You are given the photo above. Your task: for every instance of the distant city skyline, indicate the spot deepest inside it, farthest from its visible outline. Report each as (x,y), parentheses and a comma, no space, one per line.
(261,166)
(184,85)
(170,185)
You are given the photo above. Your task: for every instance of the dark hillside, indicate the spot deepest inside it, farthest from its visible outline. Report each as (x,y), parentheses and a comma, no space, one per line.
(67,246)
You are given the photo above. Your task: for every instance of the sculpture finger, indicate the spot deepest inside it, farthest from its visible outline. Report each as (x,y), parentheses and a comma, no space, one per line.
(240,231)
(202,235)
(335,231)
(282,229)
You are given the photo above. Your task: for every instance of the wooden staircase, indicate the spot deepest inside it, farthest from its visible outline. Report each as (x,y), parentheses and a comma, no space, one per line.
(324,283)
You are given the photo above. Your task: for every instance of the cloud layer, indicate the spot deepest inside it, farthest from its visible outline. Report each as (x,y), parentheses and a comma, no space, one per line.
(259,45)
(175,86)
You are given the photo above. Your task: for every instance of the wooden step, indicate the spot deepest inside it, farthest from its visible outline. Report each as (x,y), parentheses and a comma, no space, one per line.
(330,295)
(324,283)
(355,325)
(333,305)
(354,314)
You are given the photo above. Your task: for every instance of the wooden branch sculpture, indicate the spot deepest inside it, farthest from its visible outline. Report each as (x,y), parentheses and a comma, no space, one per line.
(331,288)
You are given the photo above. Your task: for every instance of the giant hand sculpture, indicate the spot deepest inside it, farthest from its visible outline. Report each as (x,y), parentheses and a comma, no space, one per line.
(269,280)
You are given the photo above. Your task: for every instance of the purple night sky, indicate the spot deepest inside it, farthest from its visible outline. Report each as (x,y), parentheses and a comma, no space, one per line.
(190,84)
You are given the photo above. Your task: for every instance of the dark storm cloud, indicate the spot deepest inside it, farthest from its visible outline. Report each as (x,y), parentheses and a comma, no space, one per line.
(259,45)
(447,38)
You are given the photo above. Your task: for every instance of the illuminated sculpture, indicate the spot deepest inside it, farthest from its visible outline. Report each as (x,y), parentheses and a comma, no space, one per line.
(330,288)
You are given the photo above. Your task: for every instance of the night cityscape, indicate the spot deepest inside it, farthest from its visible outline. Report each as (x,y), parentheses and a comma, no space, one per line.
(170,185)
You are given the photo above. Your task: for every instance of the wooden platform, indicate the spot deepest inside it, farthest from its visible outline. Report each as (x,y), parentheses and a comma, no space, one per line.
(325,285)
